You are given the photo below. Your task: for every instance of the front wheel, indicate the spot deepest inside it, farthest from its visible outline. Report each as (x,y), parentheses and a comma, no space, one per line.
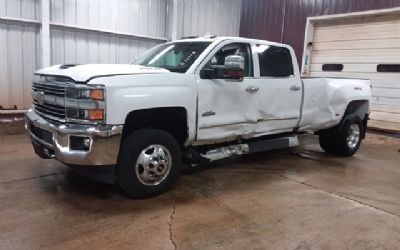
(148,164)
(345,139)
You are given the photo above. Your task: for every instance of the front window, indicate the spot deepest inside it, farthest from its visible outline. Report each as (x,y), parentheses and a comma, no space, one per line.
(176,57)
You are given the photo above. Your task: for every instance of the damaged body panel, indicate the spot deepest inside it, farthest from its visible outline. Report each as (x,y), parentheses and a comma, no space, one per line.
(251,147)
(326,101)
(262,104)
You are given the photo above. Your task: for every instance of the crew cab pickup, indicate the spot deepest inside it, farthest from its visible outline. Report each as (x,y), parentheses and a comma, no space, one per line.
(189,101)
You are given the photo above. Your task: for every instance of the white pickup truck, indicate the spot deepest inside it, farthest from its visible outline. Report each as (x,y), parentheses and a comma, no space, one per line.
(189,101)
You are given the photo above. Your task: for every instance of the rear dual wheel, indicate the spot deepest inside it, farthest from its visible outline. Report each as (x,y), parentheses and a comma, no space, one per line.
(345,139)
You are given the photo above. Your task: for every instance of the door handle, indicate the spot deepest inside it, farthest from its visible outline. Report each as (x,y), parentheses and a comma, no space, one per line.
(295,88)
(252,89)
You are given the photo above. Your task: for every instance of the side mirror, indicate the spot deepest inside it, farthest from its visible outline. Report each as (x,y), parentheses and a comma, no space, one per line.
(235,62)
(232,69)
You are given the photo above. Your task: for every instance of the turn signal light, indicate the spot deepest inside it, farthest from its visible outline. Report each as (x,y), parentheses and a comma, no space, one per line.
(97,94)
(95,114)
(236,74)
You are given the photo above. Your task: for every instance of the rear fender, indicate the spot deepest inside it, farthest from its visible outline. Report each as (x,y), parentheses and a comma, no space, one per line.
(359,108)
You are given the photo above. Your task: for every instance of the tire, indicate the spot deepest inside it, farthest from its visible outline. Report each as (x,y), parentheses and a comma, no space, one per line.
(326,141)
(345,139)
(148,164)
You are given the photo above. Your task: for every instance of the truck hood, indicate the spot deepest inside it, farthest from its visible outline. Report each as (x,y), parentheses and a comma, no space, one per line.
(84,72)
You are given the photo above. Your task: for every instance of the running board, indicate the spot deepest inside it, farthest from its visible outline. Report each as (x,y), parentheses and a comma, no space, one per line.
(251,147)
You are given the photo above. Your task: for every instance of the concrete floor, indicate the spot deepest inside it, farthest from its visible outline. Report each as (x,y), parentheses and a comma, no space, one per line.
(301,199)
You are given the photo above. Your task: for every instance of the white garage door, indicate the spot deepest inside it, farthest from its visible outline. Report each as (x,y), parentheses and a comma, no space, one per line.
(363,47)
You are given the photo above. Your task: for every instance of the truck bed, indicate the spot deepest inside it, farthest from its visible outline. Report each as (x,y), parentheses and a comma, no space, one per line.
(325,100)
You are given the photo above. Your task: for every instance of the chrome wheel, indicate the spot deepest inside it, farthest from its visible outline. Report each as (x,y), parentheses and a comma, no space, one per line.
(153,165)
(353,136)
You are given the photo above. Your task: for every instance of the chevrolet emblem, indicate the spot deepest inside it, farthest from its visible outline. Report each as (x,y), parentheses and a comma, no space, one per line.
(38,96)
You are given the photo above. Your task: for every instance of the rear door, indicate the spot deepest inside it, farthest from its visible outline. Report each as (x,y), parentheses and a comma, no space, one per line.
(280,89)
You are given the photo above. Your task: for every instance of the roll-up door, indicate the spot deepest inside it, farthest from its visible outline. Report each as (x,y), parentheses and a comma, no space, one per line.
(362,47)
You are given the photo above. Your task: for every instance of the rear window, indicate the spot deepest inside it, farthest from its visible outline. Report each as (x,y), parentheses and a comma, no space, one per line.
(274,61)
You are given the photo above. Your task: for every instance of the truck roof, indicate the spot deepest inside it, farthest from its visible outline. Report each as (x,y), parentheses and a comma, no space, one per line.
(222,38)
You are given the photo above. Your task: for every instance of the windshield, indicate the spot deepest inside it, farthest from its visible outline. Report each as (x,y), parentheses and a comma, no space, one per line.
(176,57)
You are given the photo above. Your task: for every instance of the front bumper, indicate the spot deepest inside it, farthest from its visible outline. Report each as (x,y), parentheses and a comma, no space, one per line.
(54,141)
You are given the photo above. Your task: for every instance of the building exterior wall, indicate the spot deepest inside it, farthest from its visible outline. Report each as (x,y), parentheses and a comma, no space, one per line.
(285,20)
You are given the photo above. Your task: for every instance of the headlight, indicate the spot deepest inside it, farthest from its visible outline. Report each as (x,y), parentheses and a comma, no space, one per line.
(85,103)
(85,114)
(85,93)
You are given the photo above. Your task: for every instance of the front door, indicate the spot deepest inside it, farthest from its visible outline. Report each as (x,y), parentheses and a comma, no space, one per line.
(227,108)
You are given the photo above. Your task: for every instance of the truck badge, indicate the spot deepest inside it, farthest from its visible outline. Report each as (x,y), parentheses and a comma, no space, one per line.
(208,113)
(38,96)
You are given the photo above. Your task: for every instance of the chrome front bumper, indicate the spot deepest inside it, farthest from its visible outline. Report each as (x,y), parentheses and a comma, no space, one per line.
(54,141)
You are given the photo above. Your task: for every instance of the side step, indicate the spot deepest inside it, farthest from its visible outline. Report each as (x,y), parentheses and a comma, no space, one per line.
(247,148)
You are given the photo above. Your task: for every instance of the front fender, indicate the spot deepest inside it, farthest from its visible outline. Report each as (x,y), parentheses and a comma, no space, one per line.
(128,93)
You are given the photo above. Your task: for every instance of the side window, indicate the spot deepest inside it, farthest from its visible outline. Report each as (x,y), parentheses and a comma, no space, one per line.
(274,61)
(241,49)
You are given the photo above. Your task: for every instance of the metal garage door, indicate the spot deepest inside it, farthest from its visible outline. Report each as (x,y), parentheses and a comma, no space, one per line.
(362,47)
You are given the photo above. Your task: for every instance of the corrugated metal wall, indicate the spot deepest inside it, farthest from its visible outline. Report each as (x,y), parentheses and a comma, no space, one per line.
(285,20)
(96,31)
(133,16)
(68,45)
(19,46)
(29,9)
(217,17)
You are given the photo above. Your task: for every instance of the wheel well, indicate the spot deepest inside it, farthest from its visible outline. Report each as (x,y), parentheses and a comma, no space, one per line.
(170,119)
(359,108)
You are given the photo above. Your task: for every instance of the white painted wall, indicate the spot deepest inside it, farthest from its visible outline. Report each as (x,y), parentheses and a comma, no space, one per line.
(97,31)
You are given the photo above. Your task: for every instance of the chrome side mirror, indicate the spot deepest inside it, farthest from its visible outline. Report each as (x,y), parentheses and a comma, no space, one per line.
(234,61)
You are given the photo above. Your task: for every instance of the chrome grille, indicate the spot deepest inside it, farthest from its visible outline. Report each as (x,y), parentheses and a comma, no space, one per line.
(52,92)
(56,111)
(50,89)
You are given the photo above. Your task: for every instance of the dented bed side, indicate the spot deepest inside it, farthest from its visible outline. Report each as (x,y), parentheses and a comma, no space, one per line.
(326,99)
